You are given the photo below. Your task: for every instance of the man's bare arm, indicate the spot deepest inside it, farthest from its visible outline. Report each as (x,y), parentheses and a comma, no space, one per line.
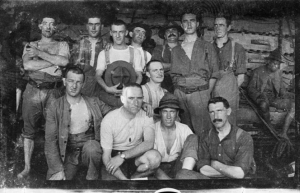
(210,171)
(230,171)
(139,77)
(57,60)
(240,79)
(212,83)
(30,64)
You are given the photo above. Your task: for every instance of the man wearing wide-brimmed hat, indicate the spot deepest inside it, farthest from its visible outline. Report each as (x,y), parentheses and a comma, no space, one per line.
(266,89)
(139,32)
(170,135)
(170,33)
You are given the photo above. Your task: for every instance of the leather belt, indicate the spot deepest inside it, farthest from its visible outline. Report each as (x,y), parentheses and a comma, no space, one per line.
(190,90)
(45,85)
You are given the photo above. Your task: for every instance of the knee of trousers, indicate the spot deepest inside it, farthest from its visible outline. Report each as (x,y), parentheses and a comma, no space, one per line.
(182,174)
(154,158)
(92,148)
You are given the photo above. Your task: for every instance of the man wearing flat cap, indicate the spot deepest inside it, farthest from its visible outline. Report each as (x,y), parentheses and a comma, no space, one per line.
(170,33)
(139,32)
(170,135)
(266,89)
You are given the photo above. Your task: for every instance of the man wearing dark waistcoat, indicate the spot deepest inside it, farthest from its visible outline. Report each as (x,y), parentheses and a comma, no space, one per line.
(194,71)
(170,33)
(232,64)
(73,131)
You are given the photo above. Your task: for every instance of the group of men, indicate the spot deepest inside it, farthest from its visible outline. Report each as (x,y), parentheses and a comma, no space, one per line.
(100,122)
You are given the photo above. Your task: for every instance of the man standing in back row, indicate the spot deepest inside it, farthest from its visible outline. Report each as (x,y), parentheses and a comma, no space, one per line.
(194,72)
(232,64)
(42,59)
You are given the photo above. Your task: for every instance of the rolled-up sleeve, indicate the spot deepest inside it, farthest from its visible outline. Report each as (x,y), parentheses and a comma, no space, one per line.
(244,157)
(190,147)
(203,155)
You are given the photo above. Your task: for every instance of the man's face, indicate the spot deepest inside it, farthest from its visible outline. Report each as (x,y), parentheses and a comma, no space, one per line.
(94,27)
(218,114)
(73,83)
(172,35)
(274,65)
(156,72)
(132,99)
(118,33)
(138,35)
(189,23)
(168,117)
(221,28)
(47,27)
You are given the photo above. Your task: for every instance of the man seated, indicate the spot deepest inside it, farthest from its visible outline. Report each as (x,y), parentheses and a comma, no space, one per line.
(226,151)
(266,89)
(126,139)
(170,135)
(72,131)
(152,90)
(119,51)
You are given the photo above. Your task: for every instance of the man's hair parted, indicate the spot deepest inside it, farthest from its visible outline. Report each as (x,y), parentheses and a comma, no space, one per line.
(75,70)
(149,63)
(130,85)
(218,100)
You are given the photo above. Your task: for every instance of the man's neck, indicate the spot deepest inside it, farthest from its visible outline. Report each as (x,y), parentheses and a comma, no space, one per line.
(190,37)
(154,84)
(172,44)
(73,100)
(168,129)
(224,131)
(126,113)
(136,45)
(45,39)
(221,41)
(120,46)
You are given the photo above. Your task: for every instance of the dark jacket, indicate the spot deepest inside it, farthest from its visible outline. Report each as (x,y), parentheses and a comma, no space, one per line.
(58,121)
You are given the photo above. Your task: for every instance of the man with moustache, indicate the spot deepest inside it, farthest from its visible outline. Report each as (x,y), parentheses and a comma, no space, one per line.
(226,151)
(73,131)
(126,139)
(152,90)
(194,71)
(170,135)
(119,51)
(42,59)
(267,90)
(232,65)
(170,33)
(86,55)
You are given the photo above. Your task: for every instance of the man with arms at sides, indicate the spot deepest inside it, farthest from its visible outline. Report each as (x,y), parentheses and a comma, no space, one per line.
(170,33)
(42,59)
(152,90)
(226,151)
(232,64)
(118,51)
(170,135)
(73,131)
(126,139)
(138,33)
(266,89)
(86,55)
(194,71)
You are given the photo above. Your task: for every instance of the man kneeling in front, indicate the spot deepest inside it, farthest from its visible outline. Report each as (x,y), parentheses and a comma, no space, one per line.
(126,139)
(225,151)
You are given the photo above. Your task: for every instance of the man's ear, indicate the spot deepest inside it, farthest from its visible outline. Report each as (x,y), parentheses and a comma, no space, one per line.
(130,34)
(126,33)
(122,99)
(148,74)
(198,24)
(101,27)
(110,32)
(229,111)
(40,26)
(64,80)
(229,28)
(87,27)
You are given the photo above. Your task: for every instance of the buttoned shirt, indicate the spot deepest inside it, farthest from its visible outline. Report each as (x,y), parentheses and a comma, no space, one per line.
(229,151)
(162,53)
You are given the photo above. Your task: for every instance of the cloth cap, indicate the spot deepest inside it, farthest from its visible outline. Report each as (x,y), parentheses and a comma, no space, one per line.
(168,101)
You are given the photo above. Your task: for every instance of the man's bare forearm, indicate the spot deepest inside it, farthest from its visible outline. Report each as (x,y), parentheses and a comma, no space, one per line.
(57,60)
(139,149)
(230,171)
(34,65)
(210,171)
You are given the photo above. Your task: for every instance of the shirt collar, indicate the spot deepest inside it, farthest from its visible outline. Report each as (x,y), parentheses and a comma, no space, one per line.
(228,40)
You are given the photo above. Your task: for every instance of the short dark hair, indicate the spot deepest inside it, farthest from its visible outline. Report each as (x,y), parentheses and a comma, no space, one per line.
(149,63)
(131,84)
(118,22)
(218,100)
(75,70)
(225,16)
(94,16)
(198,17)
